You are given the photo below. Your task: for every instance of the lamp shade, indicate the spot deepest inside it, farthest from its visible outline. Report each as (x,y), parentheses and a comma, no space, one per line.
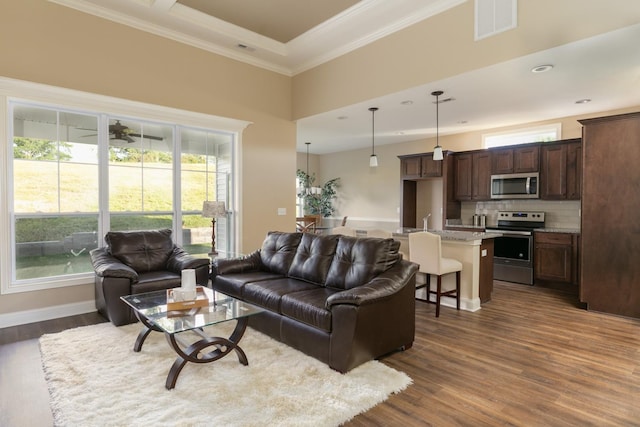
(214,210)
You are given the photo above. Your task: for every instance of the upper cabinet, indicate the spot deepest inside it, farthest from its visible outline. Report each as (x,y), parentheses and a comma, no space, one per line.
(561,170)
(420,166)
(515,160)
(473,175)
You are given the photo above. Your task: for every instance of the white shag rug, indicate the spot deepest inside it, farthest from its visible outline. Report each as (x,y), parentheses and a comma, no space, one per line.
(96,379)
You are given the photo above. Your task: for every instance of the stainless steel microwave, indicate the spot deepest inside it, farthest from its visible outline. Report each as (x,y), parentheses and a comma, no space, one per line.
(515,186)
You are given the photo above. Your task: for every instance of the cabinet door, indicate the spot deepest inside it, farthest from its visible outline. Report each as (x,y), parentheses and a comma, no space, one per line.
(481,182)
(526,159)
(463,169)
(411,167)
(554,257)
(553,175)
(431,168)
(502,161)
(574,170)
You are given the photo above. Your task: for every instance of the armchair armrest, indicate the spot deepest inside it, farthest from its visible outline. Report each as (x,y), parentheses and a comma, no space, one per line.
(251,262)
(106,265)
(180,260)
(379,288)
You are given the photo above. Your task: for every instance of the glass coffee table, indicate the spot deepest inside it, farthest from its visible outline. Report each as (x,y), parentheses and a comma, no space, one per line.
(151,309)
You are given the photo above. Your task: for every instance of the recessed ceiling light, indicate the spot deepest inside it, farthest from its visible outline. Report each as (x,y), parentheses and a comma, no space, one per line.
(399,132)
(343,117)
(583,101)
(407,102)
(541,68)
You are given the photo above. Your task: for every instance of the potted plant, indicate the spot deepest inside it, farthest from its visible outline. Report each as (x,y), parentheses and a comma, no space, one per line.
(317,200)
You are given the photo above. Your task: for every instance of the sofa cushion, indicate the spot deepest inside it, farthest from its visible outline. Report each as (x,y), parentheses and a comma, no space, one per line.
(313,258)
(234,284)
(358,260)
(268,294)
(143,251)
(278,250)
(309,307)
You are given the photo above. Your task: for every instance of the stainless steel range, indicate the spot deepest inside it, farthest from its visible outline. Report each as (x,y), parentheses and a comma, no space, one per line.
(513,251)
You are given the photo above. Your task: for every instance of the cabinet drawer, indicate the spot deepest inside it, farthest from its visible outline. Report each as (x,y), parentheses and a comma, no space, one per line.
(555,238)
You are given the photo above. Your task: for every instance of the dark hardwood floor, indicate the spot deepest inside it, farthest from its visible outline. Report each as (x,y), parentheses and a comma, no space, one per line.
(530,357)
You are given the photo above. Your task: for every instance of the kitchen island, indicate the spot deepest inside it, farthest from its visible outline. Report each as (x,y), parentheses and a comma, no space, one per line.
(475,251)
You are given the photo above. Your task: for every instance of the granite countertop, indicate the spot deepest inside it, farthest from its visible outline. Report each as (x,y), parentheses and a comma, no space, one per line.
(451,235)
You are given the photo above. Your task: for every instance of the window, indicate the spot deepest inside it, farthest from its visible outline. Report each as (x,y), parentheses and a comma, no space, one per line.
(550,132)
(75,175)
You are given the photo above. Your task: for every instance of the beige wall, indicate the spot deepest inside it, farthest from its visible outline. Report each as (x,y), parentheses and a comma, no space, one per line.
(444,46)
(47,43)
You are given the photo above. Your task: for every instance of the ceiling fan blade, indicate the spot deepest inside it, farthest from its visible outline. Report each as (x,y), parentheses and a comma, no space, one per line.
(157,138)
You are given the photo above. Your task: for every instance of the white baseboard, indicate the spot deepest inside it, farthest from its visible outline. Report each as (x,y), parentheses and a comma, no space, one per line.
(47,313)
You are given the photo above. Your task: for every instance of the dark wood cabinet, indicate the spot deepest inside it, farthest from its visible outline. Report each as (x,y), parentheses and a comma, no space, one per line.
(560,170)
(515,160)
(431,168)
(574,170)
(610,230)
(411,167)
(473,176)
(421,166)
(481,183)
(463,165)
(556,257)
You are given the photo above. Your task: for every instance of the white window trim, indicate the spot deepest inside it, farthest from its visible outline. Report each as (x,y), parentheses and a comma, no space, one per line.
(28,92)
(520,135)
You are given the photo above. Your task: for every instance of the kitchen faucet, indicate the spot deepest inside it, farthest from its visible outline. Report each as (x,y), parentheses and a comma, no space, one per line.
(425,221)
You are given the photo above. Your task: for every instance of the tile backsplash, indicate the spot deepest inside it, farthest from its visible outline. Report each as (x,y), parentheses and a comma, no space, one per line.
(558,214)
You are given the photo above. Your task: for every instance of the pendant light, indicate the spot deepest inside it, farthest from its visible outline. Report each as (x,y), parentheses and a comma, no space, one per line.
(307,190)
(373,160)
(437,150)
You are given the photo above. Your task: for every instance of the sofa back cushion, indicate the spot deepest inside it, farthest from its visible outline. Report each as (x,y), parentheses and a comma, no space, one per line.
(313,258)
(358,260)
(278,250)
(144,251)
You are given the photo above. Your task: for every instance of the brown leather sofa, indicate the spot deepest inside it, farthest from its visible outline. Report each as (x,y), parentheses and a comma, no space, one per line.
(134,262)
(342,300)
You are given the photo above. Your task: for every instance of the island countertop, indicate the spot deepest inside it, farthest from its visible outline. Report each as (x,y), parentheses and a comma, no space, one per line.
(450,235)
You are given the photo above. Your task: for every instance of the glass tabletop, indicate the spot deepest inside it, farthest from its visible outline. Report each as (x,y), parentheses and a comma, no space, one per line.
(221,308)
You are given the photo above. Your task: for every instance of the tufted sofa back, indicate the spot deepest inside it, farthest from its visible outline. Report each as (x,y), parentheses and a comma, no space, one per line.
(144,251)
(336,261)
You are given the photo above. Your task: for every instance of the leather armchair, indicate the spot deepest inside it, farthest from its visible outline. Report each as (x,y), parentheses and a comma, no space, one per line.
(134,262)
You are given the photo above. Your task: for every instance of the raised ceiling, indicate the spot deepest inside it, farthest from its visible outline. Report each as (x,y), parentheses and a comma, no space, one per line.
(272,18)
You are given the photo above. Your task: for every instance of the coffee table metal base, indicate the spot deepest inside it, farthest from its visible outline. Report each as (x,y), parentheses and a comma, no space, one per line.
(195,352)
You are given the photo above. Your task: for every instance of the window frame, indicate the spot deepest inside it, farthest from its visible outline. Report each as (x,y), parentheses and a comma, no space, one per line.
(522,135)
(16,91)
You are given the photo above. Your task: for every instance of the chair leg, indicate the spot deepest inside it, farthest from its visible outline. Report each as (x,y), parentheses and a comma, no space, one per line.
(438,292)
(458,290)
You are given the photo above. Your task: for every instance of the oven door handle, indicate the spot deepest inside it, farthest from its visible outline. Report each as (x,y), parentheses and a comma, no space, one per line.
(509,232)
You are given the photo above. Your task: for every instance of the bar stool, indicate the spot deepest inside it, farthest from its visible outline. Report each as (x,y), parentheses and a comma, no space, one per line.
(425,249)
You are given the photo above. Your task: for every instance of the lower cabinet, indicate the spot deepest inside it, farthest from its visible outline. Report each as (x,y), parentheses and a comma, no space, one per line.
(556,257)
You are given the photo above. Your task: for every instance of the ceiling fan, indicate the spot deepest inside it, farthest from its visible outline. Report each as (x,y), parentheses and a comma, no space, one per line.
(120,132)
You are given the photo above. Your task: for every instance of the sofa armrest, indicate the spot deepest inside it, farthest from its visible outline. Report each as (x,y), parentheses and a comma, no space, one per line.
(379,288)
(106,265)
(251,262)
(181,260)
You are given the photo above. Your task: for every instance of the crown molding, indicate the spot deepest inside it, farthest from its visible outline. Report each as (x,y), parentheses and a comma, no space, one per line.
(358,26)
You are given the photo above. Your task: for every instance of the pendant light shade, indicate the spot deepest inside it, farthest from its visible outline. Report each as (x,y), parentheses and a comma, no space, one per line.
(373,160)
(437,150)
